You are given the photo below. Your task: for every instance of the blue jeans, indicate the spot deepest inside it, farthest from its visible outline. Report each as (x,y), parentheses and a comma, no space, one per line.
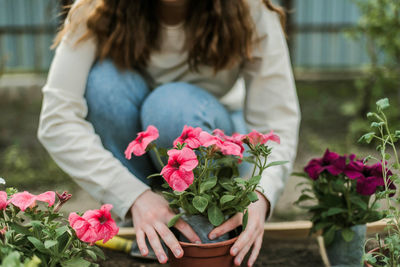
(120,105)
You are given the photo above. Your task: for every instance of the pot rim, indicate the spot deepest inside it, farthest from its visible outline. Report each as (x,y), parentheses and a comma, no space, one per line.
(209,245)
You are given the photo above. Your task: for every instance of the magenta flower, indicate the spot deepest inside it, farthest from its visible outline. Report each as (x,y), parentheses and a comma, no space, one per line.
(372,178)
(190,136)
(179,171)
(102,222)
(331,162)
(83,229)
(26,200)
(3,200)
(255,137)
(143,139)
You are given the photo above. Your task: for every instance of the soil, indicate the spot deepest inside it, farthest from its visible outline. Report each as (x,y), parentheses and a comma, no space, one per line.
(274,253)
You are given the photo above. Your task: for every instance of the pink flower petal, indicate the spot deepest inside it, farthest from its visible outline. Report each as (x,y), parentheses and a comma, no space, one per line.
(23,200)
(3,200)
(143,139)
(83,229)
(48,197)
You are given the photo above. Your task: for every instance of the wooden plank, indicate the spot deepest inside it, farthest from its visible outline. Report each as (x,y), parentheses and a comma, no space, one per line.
(283,230)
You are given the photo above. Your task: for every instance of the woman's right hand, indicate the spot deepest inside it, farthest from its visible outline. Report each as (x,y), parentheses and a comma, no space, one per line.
(151,214)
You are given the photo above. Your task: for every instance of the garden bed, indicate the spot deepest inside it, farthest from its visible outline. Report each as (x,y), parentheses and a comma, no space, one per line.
(275,252)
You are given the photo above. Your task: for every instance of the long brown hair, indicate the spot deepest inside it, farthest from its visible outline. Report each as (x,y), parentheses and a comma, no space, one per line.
(219,33)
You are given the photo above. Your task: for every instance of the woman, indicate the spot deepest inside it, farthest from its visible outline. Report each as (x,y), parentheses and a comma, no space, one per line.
(121,65)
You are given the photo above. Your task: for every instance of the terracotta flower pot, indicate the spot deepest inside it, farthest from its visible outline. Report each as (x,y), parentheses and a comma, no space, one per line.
(370,252)
(201,255)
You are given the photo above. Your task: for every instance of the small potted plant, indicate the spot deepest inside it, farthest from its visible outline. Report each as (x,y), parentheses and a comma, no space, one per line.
(342,192)
(33,234)
(388,251)
(203,186)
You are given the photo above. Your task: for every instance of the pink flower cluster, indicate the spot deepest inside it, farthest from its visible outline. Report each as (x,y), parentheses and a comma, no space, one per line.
(26,200)
(94,225)
(179,171)
(369,177)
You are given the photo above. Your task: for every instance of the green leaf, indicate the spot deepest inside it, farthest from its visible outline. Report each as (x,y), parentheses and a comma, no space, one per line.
(245,219)
(377,124)
(347,234)
(12,260)
(304,197)
(367,138)
(255,180)
(19,229)
(91,254)
(240,180)
(50,243)
(333,211)
(329,235)
(200,203)
(75,262)
(359,202)
(382,104)
(226,198)
(252,196)
(61,230)
(174,219)
(98,252)
(276,163)
(208,184)
(153,175)
(37,243)
(301,174)
(215,215)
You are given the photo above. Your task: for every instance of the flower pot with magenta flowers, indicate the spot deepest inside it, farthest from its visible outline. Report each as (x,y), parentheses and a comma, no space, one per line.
(341,193)
(203,185)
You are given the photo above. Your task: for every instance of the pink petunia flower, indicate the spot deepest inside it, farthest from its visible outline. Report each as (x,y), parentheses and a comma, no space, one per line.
(190,136)
(179,171)
(143,139)
(3,200)
(259,138)
(102,222)
(26,200)
(225,146)
(83,229)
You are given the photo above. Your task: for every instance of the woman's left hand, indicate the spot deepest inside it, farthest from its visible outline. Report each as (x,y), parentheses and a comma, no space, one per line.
(251,236)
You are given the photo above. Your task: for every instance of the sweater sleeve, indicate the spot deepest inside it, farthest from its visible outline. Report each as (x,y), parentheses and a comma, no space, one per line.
(271,101)
(70,139)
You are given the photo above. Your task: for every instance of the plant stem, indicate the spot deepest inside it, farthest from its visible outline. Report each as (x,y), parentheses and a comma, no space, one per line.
(158,156)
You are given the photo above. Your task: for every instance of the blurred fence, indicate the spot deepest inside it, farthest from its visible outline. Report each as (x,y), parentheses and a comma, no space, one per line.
(317,40)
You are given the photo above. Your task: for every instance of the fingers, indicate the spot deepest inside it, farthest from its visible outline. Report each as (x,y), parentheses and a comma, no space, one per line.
(141,241)
(226,227)
(169,239)
(187,231)
(255,251)
(246,240)
(156,245)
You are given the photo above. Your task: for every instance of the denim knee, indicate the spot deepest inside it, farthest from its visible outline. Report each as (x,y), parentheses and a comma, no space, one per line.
(173,105)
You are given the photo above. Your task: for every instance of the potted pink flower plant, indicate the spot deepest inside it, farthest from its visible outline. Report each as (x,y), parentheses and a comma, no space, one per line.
(342,194)
(203,184)
(32,234)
